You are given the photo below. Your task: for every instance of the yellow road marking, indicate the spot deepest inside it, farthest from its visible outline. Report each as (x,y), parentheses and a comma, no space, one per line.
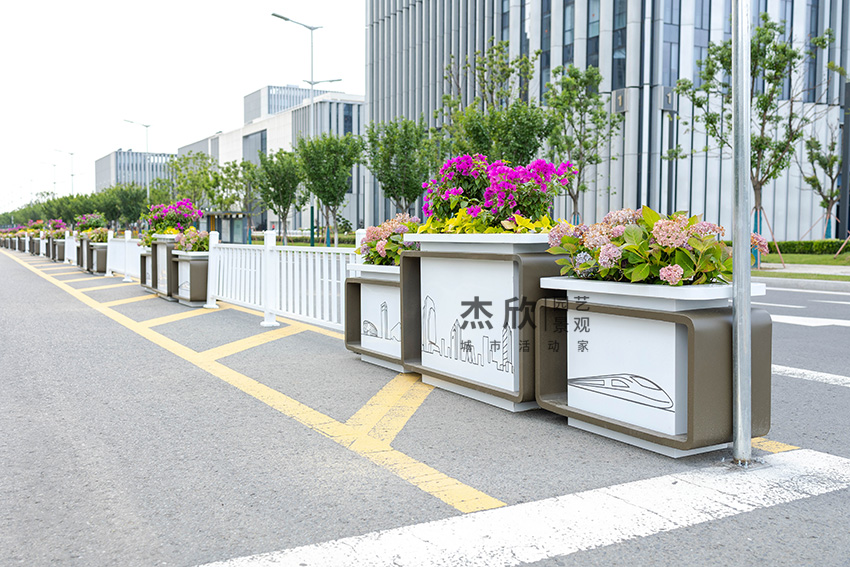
(397,417)
(251,342)
(173,318)
(369,415)
(451,491)
(129,300)
(53,266)
(65,273)
(96,287)
(771,446)
(86,278)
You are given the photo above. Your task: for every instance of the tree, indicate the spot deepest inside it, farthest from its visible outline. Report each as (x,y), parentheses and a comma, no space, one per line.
(829,162)
(502,122)
(238,187)
(278,178)
(401,156)
(778,121)
(583,125)
(326,162)
(195,177)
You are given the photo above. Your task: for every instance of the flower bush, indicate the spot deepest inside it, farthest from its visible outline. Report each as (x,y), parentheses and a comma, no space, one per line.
(89,221)
(644,246)
(178,216)
(472,195)
(99,234)
(384,243)
(193,241)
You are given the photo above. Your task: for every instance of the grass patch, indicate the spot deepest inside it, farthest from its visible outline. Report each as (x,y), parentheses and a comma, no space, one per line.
(772,274)
(814,259)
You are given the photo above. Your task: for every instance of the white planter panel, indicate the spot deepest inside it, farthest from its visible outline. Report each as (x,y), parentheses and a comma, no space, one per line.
(162,260)
(455,339)
(629,369)
(380,319)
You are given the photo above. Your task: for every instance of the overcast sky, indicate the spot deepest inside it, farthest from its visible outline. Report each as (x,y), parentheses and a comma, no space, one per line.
(73,72)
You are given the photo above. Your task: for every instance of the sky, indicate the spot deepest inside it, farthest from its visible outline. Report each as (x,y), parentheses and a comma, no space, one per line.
(73,72)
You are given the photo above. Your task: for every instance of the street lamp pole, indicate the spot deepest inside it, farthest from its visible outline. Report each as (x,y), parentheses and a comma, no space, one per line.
(147,159)
(312,123)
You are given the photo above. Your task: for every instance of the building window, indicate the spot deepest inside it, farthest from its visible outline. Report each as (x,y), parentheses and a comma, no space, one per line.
(347,119)
(569,30)
(545,45)
(593,34)
(786,20)
(758,7)
(702,26)
(812,9)
(618,51)
(670,48)
(506,20)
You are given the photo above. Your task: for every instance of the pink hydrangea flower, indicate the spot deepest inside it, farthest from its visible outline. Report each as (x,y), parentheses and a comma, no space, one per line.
(609,255)
(673,232)
(671,274)
(760,242)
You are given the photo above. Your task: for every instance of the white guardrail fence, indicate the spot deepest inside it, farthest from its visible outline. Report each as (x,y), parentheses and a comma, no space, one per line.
(304,283)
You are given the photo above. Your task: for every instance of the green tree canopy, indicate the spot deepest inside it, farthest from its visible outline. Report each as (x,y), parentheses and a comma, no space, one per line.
(278,178)
(326,162)
(582,124)
(195,177)
(401,157)
(826,160)
(238,188)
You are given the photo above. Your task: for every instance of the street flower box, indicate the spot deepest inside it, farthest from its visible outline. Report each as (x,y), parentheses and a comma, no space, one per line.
(163,267)
(189,286)
(146,270)
(97,257)
(649,365)
(35,248)
(58,250)
(467,308)
(373,314)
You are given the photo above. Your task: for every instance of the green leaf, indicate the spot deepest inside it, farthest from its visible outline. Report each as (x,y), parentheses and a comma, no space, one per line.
(640,273)
(650,217)
(633,235)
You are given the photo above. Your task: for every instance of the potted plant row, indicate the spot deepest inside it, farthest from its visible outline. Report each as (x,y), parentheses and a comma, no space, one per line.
(89,230)
(191,262)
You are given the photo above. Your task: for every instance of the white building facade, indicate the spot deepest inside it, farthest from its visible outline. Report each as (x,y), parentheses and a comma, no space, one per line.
(641,47)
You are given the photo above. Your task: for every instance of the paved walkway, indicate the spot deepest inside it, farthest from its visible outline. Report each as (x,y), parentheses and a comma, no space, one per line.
(806,269)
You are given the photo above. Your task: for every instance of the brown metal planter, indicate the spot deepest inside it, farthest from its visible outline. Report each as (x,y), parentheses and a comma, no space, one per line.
(373,315)
(146,270)
(162,265)
(697,352)
(189,281)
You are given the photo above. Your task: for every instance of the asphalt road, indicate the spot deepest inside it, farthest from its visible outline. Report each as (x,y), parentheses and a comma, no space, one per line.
(121,445)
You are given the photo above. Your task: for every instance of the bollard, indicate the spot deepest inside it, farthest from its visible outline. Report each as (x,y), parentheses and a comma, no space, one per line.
(212,271)
(268,285)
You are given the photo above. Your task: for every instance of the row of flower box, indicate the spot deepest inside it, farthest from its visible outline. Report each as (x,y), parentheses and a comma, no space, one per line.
(646,364)
(174,275)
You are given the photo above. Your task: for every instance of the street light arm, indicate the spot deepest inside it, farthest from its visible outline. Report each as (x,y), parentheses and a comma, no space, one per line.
(311,28)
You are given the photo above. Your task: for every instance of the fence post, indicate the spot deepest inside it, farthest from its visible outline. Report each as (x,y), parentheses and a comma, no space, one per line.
(109,236)
(127,277)
(67,259)
(212,271)
(268,285)
(41,243)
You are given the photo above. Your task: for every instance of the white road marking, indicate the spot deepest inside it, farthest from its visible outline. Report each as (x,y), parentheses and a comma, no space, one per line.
(834,379)
(807,291)
(809,321)
(828,301)
(560,526)
(779,305)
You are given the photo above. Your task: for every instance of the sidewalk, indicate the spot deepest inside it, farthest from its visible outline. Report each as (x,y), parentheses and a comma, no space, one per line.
(806,269)
(804,283)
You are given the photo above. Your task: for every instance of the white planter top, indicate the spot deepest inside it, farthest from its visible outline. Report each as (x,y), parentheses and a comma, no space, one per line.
(98,244)
(708,291)
(187,254)
(497,238)
(649,296)
(165,237)
(373,269)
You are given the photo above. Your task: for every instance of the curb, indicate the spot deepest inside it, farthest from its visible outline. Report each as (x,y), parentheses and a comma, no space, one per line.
(814,285)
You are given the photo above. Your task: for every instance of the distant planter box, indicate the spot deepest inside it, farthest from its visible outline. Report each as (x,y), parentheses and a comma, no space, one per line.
(373,314)
(146,270)
(97,257)
(35,249)
(467,304)
(189,286)
(649,365)
(58,250)
(162,265)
